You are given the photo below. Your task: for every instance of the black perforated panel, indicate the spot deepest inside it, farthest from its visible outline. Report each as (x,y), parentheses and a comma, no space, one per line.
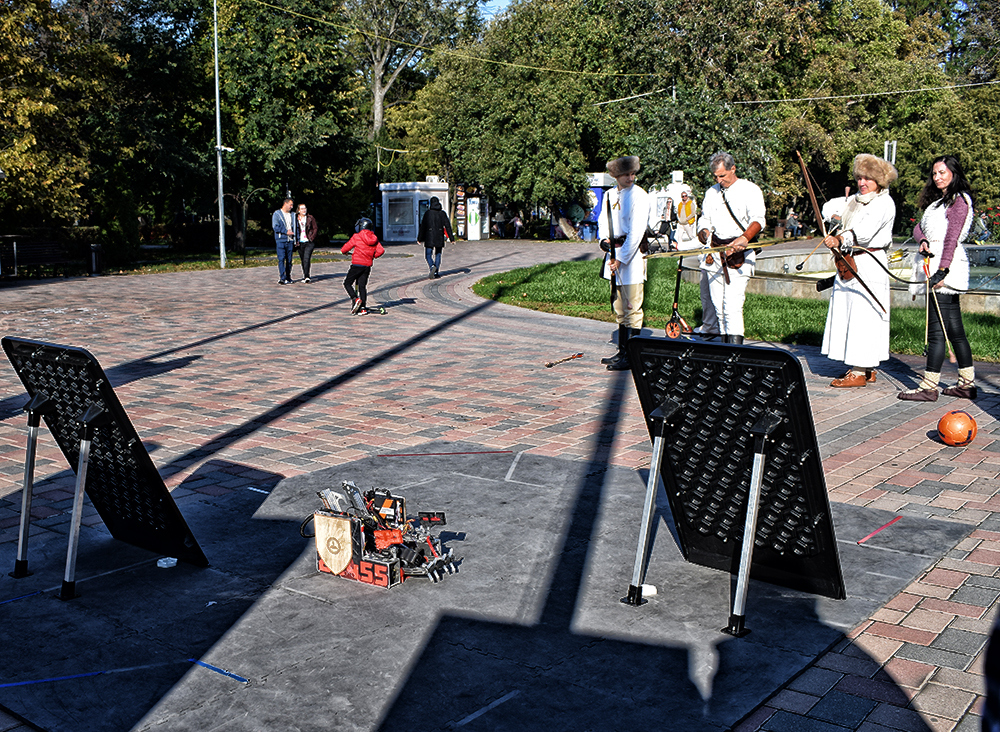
(122,482)
(723,391)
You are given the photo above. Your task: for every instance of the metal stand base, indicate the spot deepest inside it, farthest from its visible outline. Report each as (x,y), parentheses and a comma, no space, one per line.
(634,597)
(68,591)
(736,626)
(20,569)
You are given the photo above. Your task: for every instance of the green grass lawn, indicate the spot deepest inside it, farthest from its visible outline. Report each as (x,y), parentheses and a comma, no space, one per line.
(576,288)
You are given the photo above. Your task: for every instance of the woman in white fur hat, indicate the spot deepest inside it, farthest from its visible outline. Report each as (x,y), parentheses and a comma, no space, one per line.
(857,328)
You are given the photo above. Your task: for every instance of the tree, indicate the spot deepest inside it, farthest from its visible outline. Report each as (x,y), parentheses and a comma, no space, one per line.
(522,118)
(391,37)
(684,134)
(858,89)
(49,81)
(288,102)
(978,56)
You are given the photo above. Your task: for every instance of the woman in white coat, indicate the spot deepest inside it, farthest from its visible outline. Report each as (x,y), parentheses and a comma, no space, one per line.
(857,327)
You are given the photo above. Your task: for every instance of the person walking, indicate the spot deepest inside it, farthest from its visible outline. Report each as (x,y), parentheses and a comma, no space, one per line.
(687,217)
(283,224)
(948,215)
(435,231)
(305,225)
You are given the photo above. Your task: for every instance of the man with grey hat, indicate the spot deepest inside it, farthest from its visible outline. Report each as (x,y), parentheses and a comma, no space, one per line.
(622,225)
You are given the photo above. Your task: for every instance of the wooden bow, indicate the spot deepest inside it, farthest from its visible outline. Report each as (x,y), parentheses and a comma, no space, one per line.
(817,212)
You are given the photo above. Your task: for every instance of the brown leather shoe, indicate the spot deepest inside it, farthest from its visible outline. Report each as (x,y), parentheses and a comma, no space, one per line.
(850,379)
(962,392)
(872,376)
(919,395)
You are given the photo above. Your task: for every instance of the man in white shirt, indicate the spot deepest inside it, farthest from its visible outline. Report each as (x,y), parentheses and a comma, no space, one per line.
(732,215)
(627,208)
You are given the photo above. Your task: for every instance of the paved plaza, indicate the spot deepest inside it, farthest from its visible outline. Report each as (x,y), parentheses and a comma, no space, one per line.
(249,395)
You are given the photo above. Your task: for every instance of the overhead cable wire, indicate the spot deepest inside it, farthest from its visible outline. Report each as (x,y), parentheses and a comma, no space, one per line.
(527,67)
(445,52)
(870,94)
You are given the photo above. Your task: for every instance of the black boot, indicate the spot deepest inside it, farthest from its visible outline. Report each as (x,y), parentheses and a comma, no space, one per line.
(624,335)
(622,339)
(736,339)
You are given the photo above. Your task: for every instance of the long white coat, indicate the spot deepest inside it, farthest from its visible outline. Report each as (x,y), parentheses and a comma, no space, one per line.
(629,215)
(857,330)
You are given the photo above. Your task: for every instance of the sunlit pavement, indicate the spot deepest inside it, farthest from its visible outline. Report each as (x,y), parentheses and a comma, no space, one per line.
(193,356)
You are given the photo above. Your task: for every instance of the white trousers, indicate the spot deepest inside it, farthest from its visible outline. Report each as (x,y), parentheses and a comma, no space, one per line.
(709,318)
(728,299)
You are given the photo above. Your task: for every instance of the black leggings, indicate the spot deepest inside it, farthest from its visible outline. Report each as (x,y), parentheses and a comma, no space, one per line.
(952,314)
(358,273)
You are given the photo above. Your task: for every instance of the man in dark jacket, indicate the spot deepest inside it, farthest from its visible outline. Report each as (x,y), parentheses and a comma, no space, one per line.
(435,230)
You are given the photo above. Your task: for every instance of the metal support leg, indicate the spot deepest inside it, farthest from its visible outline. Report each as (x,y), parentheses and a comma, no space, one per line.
(761,430)
(68,591)
(93,417)
(39,405)
(659,417)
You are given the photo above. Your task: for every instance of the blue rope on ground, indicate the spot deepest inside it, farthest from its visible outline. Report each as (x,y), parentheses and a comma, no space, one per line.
(122,670)
(219,670)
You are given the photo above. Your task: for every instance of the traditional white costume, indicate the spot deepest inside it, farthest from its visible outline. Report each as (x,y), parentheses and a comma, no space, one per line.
(747,203)
(629,210)
(857,329)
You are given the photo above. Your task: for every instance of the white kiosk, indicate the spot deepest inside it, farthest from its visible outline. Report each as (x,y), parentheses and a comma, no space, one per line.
(404,205)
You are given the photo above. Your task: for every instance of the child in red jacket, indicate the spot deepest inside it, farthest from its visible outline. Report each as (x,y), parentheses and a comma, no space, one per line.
(367,249)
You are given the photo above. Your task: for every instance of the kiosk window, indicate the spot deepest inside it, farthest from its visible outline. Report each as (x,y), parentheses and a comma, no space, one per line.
(400,211)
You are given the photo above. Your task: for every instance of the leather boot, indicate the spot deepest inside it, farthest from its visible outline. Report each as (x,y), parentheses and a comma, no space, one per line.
(622,338)
(622,364)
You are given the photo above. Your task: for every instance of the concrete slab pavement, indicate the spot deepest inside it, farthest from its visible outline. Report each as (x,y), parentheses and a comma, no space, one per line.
(235,383)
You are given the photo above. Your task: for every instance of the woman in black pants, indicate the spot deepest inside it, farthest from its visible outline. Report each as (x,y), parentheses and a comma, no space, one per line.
(947,203)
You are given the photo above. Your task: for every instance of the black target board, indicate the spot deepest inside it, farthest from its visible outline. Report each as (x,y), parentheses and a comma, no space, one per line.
(722,392)
(121,480)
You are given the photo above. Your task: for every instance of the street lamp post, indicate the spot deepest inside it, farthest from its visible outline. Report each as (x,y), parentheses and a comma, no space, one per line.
(218,140)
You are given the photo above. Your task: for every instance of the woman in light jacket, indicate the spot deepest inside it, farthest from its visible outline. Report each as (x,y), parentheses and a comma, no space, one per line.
(948,214)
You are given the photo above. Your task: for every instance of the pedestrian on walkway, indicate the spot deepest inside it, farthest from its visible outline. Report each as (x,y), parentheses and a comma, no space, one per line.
(435,231)
(947,220)
(283,225)
(366,249)
(687,217)
(305,225)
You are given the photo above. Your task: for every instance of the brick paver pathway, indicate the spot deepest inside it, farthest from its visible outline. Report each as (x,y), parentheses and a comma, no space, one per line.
(233,381)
